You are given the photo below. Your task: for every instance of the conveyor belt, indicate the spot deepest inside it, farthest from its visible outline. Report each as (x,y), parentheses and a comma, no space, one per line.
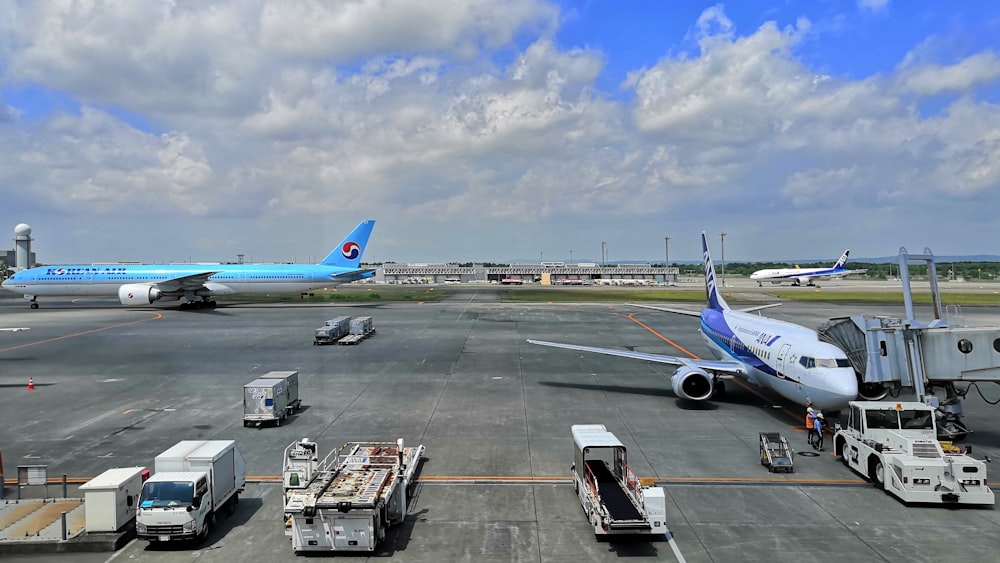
(618,503)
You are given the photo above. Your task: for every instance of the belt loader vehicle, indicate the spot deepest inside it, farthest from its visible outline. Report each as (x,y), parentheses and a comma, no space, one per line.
(352,496)
(193,483)
(611,495)
(895,446)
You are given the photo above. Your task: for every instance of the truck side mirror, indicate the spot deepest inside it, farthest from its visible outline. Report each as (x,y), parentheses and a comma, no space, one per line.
(196,502)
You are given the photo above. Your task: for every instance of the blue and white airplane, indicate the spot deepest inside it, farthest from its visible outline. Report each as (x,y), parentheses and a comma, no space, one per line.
(772,355)
(142,284)
(804,276)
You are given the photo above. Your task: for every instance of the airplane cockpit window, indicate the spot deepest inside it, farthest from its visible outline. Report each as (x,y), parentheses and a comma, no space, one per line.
(807,362)
(832,363)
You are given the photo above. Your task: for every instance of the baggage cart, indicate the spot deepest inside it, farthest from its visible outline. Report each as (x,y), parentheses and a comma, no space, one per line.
(775,454)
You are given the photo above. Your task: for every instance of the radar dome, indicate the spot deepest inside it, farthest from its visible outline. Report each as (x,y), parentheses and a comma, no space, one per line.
(22,230)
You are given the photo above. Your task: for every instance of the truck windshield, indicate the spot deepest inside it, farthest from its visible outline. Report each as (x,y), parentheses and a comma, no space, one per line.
(916,420)
(161,494)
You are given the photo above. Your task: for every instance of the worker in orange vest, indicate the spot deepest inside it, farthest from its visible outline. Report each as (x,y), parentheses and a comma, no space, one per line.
(810,425)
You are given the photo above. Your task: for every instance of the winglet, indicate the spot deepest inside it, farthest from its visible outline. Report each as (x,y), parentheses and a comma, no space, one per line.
(843,260)
(350,250)
(715,300)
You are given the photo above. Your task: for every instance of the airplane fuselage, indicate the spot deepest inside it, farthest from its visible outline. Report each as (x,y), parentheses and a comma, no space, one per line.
(781,357)
(82,280)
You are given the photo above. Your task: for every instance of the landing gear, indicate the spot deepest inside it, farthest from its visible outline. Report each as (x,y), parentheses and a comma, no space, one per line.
(34,305)
(719,391)
(203,304)
(34,301)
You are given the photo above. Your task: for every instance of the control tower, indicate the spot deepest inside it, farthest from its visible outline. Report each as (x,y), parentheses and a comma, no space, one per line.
(22,247)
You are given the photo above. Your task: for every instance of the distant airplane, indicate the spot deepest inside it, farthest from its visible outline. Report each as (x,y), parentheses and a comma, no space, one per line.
(142,284)
(777,356)
(18,329)
(804,276)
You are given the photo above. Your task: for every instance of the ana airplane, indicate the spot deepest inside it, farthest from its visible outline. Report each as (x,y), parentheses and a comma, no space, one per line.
(804,276)
(142,284)
(775,356)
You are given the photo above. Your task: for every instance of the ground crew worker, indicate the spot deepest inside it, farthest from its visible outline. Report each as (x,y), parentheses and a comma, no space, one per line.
(810,425)
(818,427)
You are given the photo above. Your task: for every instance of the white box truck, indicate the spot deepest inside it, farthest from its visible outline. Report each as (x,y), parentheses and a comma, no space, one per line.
(109,499)
(194,482)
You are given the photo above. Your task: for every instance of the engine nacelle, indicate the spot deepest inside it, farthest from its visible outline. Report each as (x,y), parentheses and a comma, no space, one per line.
(134,294)
(801,280)
(872,391)
(692,383)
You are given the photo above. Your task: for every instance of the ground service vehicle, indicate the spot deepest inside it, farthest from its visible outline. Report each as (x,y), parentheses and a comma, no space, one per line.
(291,379)
(265,400)
(895,445)
(193,483)
(611,495)
(348,500)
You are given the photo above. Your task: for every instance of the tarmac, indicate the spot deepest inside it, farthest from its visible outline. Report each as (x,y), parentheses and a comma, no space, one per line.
(116,386)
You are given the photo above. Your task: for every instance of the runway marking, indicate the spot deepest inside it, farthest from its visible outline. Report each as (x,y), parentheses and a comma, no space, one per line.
(86,332)
(631,317)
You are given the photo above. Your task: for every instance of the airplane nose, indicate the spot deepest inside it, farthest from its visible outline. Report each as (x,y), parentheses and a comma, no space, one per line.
(843,385)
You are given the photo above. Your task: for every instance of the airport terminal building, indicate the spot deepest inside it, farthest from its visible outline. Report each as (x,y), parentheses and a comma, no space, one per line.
(546,273)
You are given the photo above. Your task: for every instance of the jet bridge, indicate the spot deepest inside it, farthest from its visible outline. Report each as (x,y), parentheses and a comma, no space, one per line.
(930,357)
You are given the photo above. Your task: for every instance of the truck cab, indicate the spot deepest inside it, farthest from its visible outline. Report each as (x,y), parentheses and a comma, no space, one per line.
(895,446)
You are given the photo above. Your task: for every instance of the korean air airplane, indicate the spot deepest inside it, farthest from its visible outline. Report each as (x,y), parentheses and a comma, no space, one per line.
(196,284)
(776,356)
(804,276)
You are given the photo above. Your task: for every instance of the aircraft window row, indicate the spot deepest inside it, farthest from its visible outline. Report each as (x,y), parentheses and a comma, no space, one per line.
(810,362)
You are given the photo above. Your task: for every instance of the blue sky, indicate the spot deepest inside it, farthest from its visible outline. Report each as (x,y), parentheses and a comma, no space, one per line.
(499,130)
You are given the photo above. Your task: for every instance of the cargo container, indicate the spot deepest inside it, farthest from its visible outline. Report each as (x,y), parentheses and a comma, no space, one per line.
(291,379)
(332,330)
(362,326)
(194,482)
(265,400)
(110,500)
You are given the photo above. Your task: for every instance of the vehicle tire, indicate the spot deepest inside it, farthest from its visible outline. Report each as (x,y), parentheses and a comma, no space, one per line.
(877,474)
(842,447)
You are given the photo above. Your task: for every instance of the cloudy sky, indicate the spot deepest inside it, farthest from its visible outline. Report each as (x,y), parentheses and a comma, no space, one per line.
(499,130)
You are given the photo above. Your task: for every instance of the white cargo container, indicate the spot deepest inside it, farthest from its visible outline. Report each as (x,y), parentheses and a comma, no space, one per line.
(362,326)
(291,379)
(194,482)
(110,500)
(332,331)
(265,400)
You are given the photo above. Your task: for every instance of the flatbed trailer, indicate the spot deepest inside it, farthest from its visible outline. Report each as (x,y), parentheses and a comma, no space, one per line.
(610,493)
(352,497)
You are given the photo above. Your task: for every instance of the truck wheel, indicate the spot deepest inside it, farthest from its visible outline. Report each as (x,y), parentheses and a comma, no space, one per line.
(878,474)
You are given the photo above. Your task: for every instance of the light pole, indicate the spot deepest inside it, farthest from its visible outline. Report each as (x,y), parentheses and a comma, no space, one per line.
(666,244)
(722,235)
(539,256)
(571,256)
(604,253)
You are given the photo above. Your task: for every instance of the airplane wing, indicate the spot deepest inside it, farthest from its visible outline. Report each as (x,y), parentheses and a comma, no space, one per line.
(667,310)
(15,329)
(353,275)
(192,282)
(714,366)
(698,313)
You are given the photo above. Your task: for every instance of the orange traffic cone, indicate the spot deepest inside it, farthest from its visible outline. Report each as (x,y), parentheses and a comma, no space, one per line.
(31,383)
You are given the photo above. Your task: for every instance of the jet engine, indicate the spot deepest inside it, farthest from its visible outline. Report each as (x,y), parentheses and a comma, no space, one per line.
(872,391)
(692,383)
(138,294)
(801,280)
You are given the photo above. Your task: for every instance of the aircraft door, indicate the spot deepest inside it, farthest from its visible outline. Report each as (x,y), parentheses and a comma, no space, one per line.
(782,357)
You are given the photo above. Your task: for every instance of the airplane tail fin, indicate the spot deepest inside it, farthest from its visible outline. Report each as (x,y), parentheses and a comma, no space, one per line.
(715,300)
(350,250)
(843,260)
